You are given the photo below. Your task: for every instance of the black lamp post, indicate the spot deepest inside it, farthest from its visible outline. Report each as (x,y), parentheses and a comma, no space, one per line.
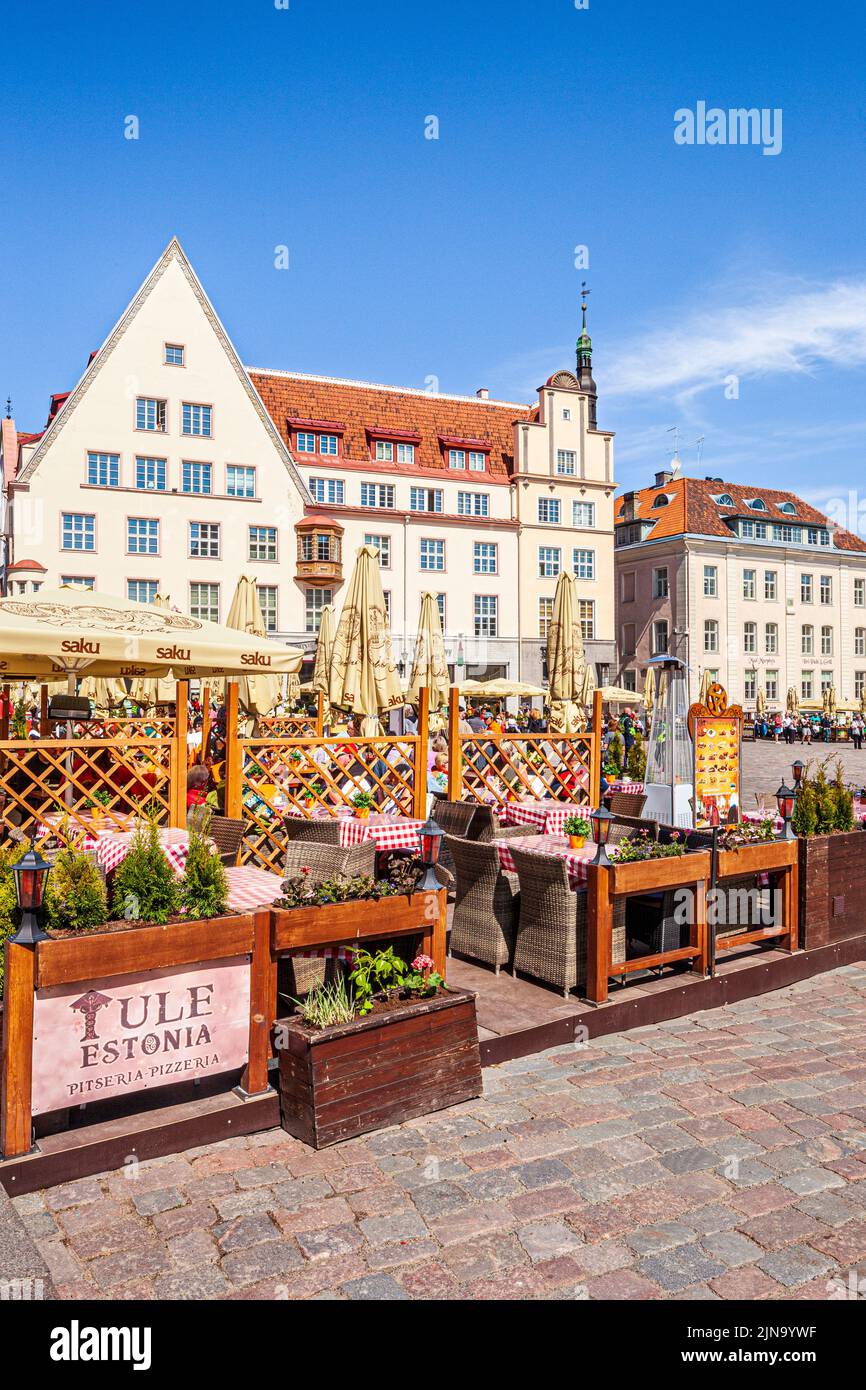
(430,840)
(785,797)
(601,821)
(30,874)
(797,770)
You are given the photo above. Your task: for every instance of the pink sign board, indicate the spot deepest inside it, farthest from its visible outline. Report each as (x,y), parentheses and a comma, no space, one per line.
(104,1038)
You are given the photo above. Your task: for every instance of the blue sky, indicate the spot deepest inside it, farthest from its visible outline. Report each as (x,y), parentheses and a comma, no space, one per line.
(454,258)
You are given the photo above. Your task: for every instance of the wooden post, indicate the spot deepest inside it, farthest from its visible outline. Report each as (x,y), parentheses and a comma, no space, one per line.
(434,942)
(320,714)
(455,746)
(595,750)
(16,1124)
(43,711)
(205,721)
(599,928)
(791,900)
(700,929)
(255,1075)
(233,767)
(177,797)
(421,750)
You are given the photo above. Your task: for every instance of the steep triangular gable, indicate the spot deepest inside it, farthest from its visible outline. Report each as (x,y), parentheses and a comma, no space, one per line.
(173,254)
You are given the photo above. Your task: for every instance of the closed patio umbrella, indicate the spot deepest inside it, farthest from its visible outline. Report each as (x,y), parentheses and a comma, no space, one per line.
(706,682)
(565,658)
(429,667)
(105,692)
(324,657)
(364,677)
(760,702)
(256,694)
(831,700)
(649,691)
(793,703)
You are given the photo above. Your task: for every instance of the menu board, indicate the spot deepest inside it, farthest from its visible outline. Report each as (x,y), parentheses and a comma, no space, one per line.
(717,769)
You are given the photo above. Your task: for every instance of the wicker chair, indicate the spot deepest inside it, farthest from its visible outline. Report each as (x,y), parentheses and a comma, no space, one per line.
(486,903)
(454,818)
(323,861)
(486,825)
(627,826)
(552,931)
(627,803)
(226,834)
(321,831)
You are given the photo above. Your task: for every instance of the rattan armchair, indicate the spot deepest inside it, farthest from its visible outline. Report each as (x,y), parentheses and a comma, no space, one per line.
(486,825)
(322,861)
(227,834)
(454,818)
(627,803)
(486,903)
(321,831)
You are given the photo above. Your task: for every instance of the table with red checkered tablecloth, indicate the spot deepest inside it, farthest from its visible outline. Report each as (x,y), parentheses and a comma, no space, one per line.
(250,888)
(548,816)
(389,832)
(577,861)
(113,847)
(620,786)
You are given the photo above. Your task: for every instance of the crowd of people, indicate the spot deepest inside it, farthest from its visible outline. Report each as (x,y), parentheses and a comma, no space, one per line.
(816,727)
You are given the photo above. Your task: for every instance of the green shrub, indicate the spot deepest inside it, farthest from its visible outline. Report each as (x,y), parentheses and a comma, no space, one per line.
(145,888)
(75,898)
(204,888)
(636,760)
(823,806)
(614,757)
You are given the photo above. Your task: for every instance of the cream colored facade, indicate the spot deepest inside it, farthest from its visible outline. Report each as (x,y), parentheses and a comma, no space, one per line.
(565,499)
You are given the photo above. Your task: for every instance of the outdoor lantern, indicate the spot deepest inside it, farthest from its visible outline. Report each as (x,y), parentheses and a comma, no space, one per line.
(797,770)
(601,821)
(430,840)
(30,874)
(785,802)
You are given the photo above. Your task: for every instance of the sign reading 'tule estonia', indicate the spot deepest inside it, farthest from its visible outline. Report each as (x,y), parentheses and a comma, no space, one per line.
(101,1038)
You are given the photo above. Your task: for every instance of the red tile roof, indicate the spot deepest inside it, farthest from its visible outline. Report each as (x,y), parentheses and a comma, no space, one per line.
(27,565)
(363,411)
(691,508)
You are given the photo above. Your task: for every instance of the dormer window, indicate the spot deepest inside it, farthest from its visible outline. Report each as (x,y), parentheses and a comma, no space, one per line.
(308,442)
(661,501)
(726,500)
(388,451)
(756,504)
(788,508)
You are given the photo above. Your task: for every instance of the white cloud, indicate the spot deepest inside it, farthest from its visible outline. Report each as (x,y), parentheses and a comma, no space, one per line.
(786,331)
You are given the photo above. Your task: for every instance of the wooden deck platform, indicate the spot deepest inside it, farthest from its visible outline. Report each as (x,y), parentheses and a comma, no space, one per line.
(519,1017)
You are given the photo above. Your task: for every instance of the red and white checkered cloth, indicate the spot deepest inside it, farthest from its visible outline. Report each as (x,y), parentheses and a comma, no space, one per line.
(113,847)
(319,813)
(625,786)
(250,888)
(389,832)
(549,816)
(577,861)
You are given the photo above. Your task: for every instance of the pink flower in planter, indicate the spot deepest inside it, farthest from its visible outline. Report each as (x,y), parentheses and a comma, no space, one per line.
(423,964)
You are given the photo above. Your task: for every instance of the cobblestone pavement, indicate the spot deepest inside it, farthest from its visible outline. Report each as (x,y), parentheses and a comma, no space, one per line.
(719,1156)
(766,764)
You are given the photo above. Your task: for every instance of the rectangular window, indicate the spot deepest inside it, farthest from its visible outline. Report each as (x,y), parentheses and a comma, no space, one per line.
(711,579)
(316,600)
(805,588)
(486,615)
(150,474)
(806,686)
(807,640)
(386,594)
(204,540)
(331,491)
(473,504)
(456,458)
(305,443)
(860,593)
(826,680)
(583,564)
(262,542)
(240,480)
(142,590)
(103,470)
(405,453)
(197,419)
(859,684)
(484,558)
(77,581)
(626,587)
(150,414)
(377,495)
(628,637)
(711,635)
(383,545)
(660,636)
(142,535)
(425,499)
(545,613)
(771,638)
(328,445)
(771,685)
(586,616)
(197,477)
(204,602)
(826,590)
(826,641)
(477,461)
(860,641)
(749,584)
(749,686)
(660,582)
(78,531)
(770,585)
(549,511)
(432,555)
(384,451)
(750,637)
(549,561)
(174,355)
(583,515)
(268,600)
(566,461)
(440,604)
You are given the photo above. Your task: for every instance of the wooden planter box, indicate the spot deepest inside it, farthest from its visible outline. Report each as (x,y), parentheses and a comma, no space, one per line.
(656,875)
(339,1082)
(832,888)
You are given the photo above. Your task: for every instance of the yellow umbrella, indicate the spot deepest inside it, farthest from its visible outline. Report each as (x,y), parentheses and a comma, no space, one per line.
(760,702)
(429,666)
(617,695)
(256,694)
(793,702)
(565,659)
(324,657)
(831,700)
(649,690)
(863,700)
(363,675)
(105,692)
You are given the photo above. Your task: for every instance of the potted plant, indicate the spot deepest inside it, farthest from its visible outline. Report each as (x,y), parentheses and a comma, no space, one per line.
(577,829)
(363,803)
(98,803)
(391,1043)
